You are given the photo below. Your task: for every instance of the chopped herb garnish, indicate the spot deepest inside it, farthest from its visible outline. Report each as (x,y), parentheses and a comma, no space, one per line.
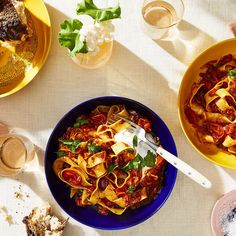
(93,148)
(80,122)
(71,144)
(232,73)
(131,189)
(60,154)
(138,162)
(150,159)
(111,167)
(135,141)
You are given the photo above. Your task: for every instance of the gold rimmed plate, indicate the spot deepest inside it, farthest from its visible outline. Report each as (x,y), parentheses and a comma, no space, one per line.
(19,64)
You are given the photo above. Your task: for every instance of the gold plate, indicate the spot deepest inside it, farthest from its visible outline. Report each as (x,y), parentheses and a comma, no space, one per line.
(42,28)
(209,151)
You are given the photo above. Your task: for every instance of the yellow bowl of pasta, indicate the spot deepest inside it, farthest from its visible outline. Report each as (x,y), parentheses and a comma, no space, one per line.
(207,103)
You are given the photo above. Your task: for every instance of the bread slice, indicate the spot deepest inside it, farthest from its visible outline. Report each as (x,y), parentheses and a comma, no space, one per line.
(13,24)
(41,222)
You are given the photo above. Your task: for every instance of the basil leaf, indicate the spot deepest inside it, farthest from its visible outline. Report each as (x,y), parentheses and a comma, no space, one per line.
(93,148)
(136,164)
(80,122)
(150,159)
(60,154)
(231,73)
(111,167)
(69,37)
(71,144)
(135,141)
(66,142)
(131,189)
(87,7)
(128,167)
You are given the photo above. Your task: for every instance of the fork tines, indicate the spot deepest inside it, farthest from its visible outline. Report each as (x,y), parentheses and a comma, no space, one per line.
(112,120)
(128,121)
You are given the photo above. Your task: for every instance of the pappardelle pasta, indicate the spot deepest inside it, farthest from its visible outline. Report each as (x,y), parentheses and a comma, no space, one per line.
(108,175)
(211,109)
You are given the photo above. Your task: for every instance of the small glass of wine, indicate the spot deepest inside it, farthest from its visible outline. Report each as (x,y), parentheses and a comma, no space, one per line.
(158,16)
(15,152)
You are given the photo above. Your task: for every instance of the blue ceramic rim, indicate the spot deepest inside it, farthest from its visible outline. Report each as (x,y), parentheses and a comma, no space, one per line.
(174,174)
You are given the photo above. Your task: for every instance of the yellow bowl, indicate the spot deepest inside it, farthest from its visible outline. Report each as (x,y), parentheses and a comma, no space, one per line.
(42,24)
(209,151)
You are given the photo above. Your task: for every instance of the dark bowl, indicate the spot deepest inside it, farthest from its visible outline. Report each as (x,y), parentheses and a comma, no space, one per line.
(86,215)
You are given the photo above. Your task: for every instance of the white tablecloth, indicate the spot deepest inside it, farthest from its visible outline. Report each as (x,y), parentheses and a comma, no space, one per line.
(142,69)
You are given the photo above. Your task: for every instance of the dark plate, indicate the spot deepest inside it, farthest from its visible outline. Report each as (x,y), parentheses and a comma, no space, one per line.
(86,215)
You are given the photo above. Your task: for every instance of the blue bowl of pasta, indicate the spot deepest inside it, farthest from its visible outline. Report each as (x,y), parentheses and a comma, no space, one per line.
(103,183)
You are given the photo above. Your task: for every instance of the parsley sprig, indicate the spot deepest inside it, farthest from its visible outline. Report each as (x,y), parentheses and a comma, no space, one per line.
(80,122)
(93,148)
(232,73)
(112,167)
(71,144)
(138,162)
(131,189)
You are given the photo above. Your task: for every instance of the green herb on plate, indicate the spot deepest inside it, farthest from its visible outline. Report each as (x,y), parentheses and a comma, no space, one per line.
(93,148)
(232,73)
(131,189)
(111,167)
(138,162)
(71,144)
(150,159)
(60,154)
(135,141)
(80,122)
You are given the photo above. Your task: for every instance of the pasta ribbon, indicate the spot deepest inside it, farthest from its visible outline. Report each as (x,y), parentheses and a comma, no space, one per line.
(120,147)
(93,163)
(77,172)
(58,164)
(211,107)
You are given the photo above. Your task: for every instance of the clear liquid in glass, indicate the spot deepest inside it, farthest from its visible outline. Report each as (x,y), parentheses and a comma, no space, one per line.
(159,16)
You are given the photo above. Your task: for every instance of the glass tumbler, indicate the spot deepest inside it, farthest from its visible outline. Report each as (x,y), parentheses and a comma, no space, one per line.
(15,152)
(158,17)
(90,61)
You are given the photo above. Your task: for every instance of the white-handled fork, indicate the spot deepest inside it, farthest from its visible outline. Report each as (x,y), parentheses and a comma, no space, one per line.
(135,129)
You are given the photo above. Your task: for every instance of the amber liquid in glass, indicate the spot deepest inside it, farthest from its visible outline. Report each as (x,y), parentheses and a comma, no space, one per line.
(159,14)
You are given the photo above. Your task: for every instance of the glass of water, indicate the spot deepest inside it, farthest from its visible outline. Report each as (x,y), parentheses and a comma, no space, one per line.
(15,152)
(158,16)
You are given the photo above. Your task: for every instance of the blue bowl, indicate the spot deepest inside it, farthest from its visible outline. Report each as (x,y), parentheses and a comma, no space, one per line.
(86,215)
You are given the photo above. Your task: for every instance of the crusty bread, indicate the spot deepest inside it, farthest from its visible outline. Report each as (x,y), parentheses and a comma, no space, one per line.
(13,26)
(41,222)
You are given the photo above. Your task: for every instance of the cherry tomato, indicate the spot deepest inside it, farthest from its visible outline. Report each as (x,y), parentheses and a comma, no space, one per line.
(72,177)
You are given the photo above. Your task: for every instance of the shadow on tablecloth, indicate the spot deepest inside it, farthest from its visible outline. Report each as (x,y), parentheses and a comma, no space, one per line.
(186,42)
(63,85)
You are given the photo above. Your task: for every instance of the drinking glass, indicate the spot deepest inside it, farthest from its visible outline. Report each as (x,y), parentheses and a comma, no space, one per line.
(158,16)
(15,152)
